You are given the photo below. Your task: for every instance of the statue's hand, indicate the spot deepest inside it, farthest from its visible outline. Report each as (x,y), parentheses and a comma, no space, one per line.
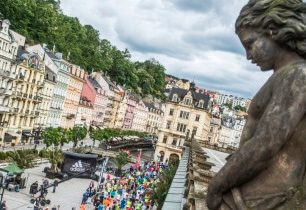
(214,197)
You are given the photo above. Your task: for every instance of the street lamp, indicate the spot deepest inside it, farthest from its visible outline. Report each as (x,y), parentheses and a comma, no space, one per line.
(1,186)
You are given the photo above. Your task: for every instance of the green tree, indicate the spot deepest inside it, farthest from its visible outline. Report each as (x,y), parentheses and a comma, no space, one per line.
(164,184)
(229,105)
(121,159)
(241,108)
(22,158)
(65,136)
(77,134)
(42,21)
(55,157)
(51,136)
(95,135)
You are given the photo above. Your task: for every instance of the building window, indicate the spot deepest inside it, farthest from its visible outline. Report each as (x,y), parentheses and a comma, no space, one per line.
(174,98)
(201,104)
(174,142)
(181,127)
(197,118)
(211,129)
(171,112)
(165,139)
(184,115)
(168,126)
(187,101)
(194,130)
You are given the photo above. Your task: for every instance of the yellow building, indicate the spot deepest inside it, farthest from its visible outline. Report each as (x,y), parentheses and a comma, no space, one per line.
(183,84)
(186,112)
(73,95)
(115,101)
(25,99)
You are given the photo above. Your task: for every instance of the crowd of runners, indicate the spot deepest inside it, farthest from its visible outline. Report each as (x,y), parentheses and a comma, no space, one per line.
(134,190)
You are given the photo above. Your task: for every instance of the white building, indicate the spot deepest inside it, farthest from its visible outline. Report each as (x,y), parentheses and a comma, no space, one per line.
(60,89)
(140,117)
(231,130)
(8,52)
(155,117)
(185,112)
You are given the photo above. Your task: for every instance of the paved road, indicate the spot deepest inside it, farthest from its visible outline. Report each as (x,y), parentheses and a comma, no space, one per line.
(68,194)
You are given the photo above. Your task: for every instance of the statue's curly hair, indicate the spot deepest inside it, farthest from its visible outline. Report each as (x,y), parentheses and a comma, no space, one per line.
(286,18)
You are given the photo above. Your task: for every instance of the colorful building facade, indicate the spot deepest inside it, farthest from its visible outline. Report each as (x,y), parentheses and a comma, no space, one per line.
(73,95)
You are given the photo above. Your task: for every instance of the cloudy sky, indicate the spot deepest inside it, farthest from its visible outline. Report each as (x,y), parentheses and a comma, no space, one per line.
(193,39)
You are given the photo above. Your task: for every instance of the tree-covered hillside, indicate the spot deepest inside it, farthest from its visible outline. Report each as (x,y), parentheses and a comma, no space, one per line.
(41,21)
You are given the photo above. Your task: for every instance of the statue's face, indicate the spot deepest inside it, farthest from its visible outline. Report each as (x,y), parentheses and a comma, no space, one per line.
(260,49)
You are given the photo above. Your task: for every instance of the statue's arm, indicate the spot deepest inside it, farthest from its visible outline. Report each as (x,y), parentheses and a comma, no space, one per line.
(281,116)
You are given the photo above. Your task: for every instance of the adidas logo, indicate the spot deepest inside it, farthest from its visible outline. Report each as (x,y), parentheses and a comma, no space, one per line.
(77,167)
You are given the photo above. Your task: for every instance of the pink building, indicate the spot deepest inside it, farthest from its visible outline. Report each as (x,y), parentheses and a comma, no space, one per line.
(72,97)
(100,102)
(88,90)
(131,101)
(85,113)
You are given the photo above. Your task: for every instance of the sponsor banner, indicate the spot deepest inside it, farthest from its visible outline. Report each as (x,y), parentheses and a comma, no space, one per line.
(75,164)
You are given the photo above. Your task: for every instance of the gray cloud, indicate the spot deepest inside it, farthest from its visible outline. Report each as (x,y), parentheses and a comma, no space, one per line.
(216,41)
(193,39)
(193,5)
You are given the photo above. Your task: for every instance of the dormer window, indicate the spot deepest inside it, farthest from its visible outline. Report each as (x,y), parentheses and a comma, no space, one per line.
(174,98)
(188,101)
(201,103)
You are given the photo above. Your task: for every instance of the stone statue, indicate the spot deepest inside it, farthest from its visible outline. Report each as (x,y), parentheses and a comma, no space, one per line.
(268,170)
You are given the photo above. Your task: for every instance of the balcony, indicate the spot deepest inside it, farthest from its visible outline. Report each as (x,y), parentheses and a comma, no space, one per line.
(4,124)
(40,84)
(25,95)
(170,147)
(4,109)
(70,116)
(7,73)
(4,91)
(18,94)
(37,99)
(20,78)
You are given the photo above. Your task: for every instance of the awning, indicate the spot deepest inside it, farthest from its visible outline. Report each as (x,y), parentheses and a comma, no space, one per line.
(12,168)
(9,136)
(27,133)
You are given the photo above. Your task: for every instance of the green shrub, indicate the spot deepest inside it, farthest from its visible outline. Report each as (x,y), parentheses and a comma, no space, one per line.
(3,155)
(43,153)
